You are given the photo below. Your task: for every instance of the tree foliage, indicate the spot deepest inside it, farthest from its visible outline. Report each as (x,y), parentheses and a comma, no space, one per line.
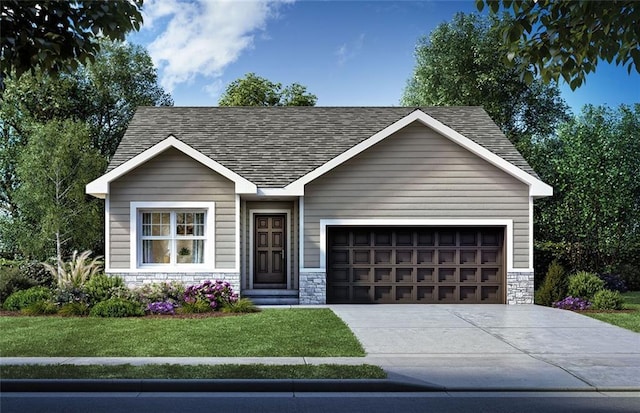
(54,36)
(52,172)
(460,63)
(253,90)
(567,38)
(593,164)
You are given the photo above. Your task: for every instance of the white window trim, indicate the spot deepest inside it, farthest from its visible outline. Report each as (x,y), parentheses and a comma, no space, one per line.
(135,242)
(252,214)
(506,223)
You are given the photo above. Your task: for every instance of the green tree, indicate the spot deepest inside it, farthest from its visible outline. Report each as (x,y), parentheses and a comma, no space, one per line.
(460,63)
(54,212)
(54,36)
(121,78)
(253,90)
(593,164)
(567,38)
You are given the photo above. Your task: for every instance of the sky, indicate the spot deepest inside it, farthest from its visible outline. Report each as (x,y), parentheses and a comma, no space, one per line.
(347,53)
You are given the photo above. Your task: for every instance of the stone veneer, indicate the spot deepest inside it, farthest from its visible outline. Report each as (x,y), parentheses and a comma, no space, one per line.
(138,279)
(520,287)
(313,288)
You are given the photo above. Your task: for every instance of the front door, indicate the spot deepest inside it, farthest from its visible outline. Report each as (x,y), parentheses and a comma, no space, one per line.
(270,253)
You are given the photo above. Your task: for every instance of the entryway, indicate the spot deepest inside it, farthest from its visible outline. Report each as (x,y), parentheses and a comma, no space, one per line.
(270,251)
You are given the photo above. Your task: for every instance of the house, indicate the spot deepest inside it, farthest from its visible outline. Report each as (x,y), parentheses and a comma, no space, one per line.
(323,204)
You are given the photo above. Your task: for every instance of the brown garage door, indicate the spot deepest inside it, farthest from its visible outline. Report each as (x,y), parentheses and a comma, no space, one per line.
(415,265)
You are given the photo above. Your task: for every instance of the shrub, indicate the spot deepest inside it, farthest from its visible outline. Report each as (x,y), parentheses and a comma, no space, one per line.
(76,272)
(215,293)
(196,307)
(67,295)
(73,309)
(613,282)
(22,299)
(554,287)
(40,308)
(584,285)
(161,307)
(12,279)
(101,287)
(242,305)
(607,300)
(172,292)
(116,307)
(572,303)
(37,272)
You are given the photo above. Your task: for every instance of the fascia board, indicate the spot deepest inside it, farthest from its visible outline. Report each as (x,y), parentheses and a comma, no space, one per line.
(537,188)
(100,186)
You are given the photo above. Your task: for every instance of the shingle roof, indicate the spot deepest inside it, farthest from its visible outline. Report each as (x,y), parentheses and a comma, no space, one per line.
(274,146)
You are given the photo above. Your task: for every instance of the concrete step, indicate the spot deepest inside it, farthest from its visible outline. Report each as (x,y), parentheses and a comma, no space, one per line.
(272,297)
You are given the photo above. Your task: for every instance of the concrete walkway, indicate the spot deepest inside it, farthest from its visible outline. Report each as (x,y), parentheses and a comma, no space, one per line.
(463,347)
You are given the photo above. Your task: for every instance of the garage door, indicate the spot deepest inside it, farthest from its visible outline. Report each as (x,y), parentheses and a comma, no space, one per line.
(415,265)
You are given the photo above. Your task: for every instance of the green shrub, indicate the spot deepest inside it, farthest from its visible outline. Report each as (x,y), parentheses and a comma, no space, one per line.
(36,271)
(22,299)
(70,294)
(12,279)
(584,285)
(196,307)
(40,308)
(243,305)
(554,286)
(75,309)
(117,307)
(101,287)
(607,300)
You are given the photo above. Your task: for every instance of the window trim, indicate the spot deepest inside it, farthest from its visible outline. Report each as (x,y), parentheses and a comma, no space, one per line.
(135,240)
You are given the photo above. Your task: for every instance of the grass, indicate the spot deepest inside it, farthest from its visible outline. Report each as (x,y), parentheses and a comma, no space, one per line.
(270,333)
(629,320)
(174,371)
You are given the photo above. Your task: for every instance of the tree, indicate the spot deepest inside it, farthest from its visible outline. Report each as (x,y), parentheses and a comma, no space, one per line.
(593,163)
(54,212)
(253,90)
(460,63)
(121,78)
(55,36)
(567,38)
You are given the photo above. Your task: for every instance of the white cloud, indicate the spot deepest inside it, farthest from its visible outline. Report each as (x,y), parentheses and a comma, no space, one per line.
(349,51)
(203,37)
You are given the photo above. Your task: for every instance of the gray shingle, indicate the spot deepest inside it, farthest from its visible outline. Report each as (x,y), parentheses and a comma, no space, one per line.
(274,146)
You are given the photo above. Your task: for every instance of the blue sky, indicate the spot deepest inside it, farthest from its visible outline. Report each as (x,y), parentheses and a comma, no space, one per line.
(348,53)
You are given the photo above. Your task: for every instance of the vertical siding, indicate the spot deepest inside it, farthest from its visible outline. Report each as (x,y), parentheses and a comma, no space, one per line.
(292,233)
(172,177)
(416,173)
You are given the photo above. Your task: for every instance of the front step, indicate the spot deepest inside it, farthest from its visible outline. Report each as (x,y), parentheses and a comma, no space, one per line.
(272,297)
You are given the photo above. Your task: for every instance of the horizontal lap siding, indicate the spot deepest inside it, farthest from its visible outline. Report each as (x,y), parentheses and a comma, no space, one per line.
(419,174)
(172,177)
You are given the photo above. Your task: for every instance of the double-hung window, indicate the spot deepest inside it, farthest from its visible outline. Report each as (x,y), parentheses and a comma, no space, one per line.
(172,237)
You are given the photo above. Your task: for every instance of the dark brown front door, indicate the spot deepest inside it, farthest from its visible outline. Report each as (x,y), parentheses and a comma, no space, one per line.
(270,251)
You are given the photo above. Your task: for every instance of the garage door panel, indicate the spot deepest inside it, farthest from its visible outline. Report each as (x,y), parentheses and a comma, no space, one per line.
(415,265)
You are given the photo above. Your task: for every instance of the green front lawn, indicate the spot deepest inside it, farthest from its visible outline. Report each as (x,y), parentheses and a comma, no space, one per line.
(629,320)
(270,333)
(176,371)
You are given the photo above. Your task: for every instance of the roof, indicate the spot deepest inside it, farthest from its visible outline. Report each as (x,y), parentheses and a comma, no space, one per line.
(274,146)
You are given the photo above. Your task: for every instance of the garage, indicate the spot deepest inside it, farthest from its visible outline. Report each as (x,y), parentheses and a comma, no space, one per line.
(415,265)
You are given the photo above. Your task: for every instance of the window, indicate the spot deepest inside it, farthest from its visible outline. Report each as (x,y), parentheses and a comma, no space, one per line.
(174,236)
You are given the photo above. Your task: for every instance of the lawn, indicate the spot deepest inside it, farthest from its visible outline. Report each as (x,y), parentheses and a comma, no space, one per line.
(629,320)
(176,371)
(270,333)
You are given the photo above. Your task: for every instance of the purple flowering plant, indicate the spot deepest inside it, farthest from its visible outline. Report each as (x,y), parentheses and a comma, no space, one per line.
(161,307)
(216,293)
(572,303)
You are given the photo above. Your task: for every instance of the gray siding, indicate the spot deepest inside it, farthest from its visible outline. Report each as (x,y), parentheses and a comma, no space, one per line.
(416,173)
(292,233)
(174,177)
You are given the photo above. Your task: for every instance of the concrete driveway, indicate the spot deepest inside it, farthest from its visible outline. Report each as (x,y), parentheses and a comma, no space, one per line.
(495,346)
